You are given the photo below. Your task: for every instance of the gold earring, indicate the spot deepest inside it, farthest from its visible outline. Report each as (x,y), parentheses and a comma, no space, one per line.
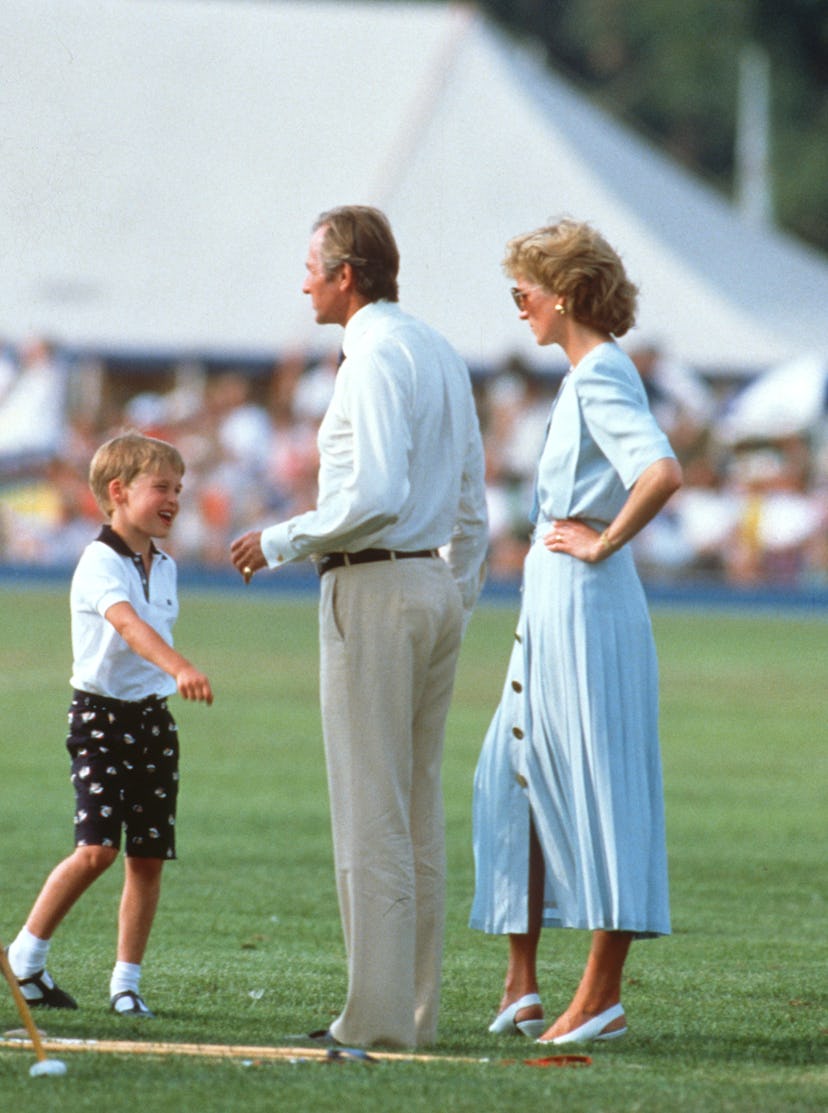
(560,308)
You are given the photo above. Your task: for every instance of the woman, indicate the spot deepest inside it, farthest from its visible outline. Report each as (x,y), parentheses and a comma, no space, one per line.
(568,806)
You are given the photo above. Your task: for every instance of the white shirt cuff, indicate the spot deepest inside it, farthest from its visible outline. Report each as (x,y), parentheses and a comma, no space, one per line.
(277,548)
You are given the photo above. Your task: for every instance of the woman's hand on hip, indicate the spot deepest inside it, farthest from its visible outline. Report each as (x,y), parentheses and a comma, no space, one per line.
(576,539)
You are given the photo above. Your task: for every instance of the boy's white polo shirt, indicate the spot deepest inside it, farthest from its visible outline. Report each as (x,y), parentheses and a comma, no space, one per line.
(109,572)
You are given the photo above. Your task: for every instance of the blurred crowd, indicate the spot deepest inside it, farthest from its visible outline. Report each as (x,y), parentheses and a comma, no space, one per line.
(751,512)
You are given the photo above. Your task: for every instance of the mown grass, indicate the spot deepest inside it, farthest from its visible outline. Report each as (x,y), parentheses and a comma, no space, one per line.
(726,1014)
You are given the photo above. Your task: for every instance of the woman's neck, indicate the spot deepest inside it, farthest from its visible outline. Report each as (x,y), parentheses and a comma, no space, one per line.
(581,341)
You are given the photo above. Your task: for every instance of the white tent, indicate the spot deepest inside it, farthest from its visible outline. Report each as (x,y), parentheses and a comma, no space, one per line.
(163,161)
(788,400)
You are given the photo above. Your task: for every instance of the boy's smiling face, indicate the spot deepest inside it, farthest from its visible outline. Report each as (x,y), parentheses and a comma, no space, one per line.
(147,507)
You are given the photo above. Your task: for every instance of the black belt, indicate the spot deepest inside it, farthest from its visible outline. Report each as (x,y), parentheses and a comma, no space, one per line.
(367,556)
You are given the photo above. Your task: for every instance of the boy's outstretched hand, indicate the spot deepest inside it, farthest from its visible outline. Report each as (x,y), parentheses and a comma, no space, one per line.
(194,685)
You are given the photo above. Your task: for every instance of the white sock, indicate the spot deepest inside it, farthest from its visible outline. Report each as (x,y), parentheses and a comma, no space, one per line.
(125,976)
(27,954)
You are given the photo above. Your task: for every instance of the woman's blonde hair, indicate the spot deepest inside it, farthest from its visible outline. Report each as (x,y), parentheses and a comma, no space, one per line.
(125,457)
(573,260)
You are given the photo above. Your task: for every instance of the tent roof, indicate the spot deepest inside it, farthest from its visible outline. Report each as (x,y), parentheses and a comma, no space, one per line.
(164,159)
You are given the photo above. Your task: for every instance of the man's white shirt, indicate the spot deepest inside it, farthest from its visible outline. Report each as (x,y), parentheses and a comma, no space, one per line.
(401,457)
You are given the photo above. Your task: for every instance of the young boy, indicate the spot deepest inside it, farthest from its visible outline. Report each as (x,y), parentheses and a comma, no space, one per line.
(122,737)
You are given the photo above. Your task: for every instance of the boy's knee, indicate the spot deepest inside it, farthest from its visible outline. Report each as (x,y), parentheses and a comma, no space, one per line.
(144,867)
(96,859)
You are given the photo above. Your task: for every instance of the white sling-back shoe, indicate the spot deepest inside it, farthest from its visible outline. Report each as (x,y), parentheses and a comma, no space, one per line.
(505,1021)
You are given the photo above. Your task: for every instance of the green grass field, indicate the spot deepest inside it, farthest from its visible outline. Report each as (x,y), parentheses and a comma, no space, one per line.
(727,1014)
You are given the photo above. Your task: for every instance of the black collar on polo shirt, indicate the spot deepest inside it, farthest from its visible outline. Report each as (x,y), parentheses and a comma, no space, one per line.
(114,540)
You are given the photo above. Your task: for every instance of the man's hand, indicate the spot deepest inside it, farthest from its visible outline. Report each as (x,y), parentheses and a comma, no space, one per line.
(246,554)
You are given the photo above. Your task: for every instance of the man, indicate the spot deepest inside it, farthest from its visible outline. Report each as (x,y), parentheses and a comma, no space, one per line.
(400,475)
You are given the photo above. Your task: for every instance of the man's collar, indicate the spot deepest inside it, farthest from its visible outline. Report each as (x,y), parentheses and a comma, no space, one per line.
(361,321)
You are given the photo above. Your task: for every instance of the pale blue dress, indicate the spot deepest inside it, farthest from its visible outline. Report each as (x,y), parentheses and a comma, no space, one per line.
(574,741)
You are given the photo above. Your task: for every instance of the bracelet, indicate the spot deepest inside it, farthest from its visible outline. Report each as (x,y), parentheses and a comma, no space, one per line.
(606,544)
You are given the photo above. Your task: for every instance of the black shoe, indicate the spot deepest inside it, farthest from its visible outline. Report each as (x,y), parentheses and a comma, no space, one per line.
(137,1007)
(50,996)
(348,1054)
(324,1036)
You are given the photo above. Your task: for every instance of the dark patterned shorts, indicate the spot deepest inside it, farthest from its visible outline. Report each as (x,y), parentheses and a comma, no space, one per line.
(125,774)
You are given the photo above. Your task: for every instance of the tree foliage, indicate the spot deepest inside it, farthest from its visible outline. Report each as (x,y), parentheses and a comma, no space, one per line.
(671,69)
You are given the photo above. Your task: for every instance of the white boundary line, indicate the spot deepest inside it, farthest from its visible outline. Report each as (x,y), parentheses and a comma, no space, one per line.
(220,1051)
(257,1053)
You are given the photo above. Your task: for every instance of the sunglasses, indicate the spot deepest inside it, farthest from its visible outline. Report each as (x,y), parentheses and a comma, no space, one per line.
(519,297)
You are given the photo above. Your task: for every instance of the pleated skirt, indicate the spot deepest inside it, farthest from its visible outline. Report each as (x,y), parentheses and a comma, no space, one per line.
(573,749)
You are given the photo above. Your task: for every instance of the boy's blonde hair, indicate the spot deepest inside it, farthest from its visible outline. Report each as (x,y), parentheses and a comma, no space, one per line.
(125,457)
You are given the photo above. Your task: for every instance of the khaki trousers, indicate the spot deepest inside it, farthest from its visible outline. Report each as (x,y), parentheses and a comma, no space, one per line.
(390,636)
